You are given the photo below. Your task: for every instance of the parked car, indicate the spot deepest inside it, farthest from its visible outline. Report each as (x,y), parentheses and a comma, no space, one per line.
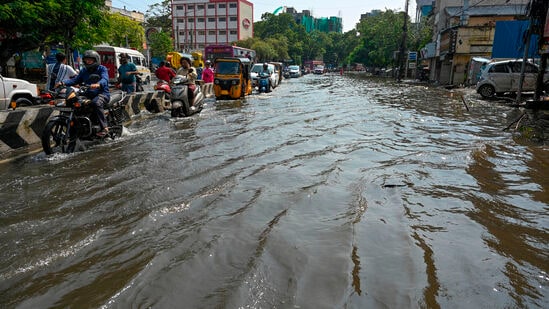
(258,67)
(294,71)
(500,77)
(17,92)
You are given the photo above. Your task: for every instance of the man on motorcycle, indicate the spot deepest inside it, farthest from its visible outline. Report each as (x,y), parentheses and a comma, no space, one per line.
(265,73)
(126,73)
(188,71)
(98,91)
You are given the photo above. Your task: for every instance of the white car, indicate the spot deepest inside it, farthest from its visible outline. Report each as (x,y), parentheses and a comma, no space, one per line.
(257,68)
(294,71)
(504,76)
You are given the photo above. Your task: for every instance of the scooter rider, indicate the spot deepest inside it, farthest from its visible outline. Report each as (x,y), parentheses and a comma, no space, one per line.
(188,71)
(265,73)
(98,91)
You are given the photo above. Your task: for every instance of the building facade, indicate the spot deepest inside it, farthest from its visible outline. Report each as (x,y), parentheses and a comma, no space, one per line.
(198,23)
(463,29)
(322,24)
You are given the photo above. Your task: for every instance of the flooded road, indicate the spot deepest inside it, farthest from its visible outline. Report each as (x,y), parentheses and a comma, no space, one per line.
(329,192)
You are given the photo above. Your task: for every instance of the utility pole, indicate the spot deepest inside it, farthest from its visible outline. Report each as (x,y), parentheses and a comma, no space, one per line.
(403,43)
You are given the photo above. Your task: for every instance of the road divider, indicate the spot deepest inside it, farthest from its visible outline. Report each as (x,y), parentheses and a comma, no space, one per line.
(21,129)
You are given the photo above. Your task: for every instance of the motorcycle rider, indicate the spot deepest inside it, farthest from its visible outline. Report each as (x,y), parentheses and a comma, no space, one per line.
(265,73)
(127,72)
(164,73)
(188,71)
(98,91)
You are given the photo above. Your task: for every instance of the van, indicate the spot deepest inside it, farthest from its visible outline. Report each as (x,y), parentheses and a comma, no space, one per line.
(110,58)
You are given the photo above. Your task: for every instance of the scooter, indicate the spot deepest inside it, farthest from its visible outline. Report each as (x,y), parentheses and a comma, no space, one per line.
(264,84)
(180,106)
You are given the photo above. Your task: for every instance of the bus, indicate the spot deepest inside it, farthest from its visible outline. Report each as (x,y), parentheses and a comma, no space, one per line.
(212,52)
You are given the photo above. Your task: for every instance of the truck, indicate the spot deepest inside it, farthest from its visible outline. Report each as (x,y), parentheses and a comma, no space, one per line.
(16,92)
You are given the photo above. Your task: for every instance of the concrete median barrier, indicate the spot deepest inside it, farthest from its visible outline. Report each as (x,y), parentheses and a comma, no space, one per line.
(21,129)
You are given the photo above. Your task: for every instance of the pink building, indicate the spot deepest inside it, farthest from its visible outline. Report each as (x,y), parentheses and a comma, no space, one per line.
(198,23)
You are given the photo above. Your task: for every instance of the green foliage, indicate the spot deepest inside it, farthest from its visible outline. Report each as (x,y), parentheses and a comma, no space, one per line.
(380,35)
(125,32)
(160,15)
(160,44)
(31,24)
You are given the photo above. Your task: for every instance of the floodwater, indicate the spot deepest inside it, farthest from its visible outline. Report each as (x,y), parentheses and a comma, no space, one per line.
(329,192)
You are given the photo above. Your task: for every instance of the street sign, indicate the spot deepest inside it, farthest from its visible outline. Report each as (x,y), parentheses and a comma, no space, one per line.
(412,56)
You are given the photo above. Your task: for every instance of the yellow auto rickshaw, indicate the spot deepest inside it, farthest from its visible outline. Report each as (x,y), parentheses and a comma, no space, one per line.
(232,78)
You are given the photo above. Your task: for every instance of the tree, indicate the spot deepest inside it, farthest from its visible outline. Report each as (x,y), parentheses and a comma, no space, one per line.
(160,43)
(160,15)
(28,25)
(380,35)
(125,32)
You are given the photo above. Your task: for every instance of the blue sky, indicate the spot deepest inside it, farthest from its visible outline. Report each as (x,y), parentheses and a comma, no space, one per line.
(349,10)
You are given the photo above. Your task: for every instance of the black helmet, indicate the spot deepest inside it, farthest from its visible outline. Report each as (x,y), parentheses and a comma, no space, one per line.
(265,66)
(187,59)
(92,54)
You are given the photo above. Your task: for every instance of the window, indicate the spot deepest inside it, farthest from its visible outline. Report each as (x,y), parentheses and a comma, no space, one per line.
(180,20)
(211,32)
(222,32)
(201,32)
(179,7)
(232,5)
(200,6)
(222,19)
(233,32)
(232,18)
(222,5)
(211,6)
(200,19)
(211,19)
(190,6)
(136,60)
(499,68)
(191,20)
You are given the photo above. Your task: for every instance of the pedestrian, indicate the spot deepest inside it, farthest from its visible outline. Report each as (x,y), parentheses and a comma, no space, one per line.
(164,73)
(59,71)
(208,78)
(126,74)
(199,71)
(99,90)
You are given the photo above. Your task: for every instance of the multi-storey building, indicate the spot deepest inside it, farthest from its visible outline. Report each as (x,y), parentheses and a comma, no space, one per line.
(135,15)
(464,29)
(198,23)
(322,24)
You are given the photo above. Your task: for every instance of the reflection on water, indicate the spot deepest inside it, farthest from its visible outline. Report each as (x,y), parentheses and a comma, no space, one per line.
(329,192)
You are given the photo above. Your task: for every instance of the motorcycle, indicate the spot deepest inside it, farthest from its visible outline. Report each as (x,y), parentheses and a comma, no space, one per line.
(77,121)
(264,84)
(180,106)
(164,86)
